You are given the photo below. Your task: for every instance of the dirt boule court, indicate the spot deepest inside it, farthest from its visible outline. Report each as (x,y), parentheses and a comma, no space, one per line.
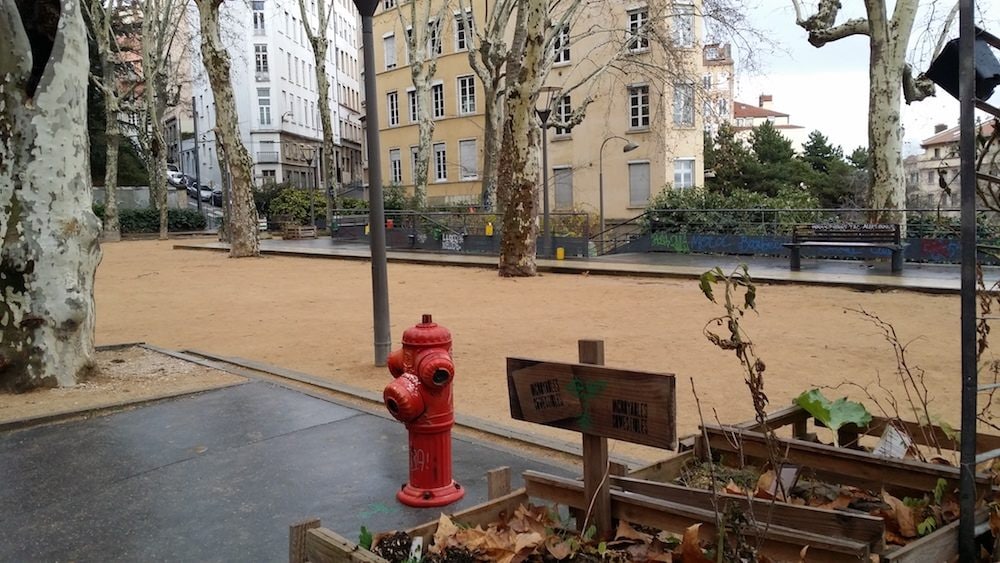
(314,316)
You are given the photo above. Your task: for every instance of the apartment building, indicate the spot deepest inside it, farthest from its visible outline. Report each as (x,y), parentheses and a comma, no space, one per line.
(932,176)
(648,97)
(748,116)
(718,86)
(274,84)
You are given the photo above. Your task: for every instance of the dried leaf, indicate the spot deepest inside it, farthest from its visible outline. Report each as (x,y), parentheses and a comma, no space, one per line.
(626,531)
(902,514)
(446,528)
(691,551)
(559,550)
(802,554)
(841,502)
(734,489)
(527,541)
(765,485)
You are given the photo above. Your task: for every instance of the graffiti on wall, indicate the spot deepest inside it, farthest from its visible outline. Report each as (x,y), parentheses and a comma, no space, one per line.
(673,242)
(451,241)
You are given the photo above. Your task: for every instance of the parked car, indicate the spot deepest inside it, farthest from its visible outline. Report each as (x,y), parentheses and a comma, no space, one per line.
(174,176)
(192,186)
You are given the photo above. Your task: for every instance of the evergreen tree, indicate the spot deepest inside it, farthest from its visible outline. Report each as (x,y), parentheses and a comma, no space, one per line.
(774,167)
(820,154)
(770,146)
(729,159)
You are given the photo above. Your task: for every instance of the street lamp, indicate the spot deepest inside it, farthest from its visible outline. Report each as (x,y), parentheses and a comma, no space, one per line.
(629,146)
(376,211)
(314,187)
(543,116)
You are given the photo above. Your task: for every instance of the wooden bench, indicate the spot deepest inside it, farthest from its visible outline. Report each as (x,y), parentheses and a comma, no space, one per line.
(846,235)
(291,231)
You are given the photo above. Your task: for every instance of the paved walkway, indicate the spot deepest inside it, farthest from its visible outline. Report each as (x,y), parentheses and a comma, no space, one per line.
(938,278)
(217,476)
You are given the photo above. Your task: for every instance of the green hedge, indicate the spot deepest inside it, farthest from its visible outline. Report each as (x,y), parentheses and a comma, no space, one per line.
(148,220)
(696,210)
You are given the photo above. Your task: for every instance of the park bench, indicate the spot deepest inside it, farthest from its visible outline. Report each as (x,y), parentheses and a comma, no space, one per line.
(846,235)
(291,231)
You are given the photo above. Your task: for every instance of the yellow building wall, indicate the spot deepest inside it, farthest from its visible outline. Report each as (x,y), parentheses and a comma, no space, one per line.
(606,116)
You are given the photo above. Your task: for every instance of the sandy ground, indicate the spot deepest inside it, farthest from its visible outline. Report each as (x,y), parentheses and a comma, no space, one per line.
(314,315)
(123,376)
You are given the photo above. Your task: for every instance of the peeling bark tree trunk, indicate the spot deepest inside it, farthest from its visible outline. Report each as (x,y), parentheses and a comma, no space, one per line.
(241,223)
(888,74)
(517,176)
(492,122)
(423,66)
(49,248)
(320,45)
(101,16)
(154,94)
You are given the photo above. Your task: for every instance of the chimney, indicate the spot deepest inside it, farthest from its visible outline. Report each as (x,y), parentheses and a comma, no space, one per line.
(939,127)
(765,101)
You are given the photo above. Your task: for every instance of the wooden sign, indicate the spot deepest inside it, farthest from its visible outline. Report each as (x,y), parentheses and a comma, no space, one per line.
(636,407)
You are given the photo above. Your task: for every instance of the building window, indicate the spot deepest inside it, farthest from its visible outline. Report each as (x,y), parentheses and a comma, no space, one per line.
(723,109)
(683,105)
(389,46)
(411,98)
(682,24)
(638,184)
(388,4)
(433,38)
(409,40)
(268,176)
(440,162)
(562,179)
(638,36)
(264,105)
(564,110)
(466,95)
(638,103)
(260,57)
(395,167)
(437,98)
(930,177)
(258,17)
(684,173)
(461,33)
(706,81)
(414,152)
(392,105)
(937,153)
(467,157)
(561,46)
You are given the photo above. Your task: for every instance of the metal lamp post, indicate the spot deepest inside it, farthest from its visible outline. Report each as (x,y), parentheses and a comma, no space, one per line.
(543,116)
(376,210)
(312,188)
(629,146)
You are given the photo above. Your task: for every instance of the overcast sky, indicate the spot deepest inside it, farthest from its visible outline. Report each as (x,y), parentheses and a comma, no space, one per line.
(827,88)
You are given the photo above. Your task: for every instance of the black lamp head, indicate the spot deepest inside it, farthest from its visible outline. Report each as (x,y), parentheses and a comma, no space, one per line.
(944,69)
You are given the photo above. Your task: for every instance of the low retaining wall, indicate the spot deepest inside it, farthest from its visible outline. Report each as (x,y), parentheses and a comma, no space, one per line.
(931,250)
(404,239)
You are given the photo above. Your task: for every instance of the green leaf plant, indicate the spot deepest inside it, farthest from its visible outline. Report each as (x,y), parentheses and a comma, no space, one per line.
(835,414)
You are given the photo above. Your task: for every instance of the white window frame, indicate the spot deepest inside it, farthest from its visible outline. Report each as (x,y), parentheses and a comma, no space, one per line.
(436,89)
(682,24)
(640,120)
(682,118)
(264,106)
(466,104)
(681,185)
(649,188)
(392,108)
(563,111)
(638,38)
(389,55)
(440,162)
(462,34)
(412,104)
(261,65)
(560,47)
(435,45)
(475,160)
(258,17)
(395,167)
(555,189)
(388,4)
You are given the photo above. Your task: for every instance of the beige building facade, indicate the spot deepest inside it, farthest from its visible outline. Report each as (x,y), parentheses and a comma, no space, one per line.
(650,96)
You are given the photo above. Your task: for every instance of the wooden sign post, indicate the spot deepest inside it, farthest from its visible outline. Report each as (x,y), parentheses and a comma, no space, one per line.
(600,403)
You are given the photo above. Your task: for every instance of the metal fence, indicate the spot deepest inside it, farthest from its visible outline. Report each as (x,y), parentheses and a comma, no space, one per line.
(920,223)
(464,222)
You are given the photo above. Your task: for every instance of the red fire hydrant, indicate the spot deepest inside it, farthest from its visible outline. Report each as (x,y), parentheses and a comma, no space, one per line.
(420,397)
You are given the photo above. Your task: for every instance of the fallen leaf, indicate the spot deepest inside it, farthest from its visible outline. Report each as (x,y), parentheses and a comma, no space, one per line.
(838,503)
(802,554)
(765,485)
(734,489)
(527,541)
(626,531)
(559,550)
(691,551)
(902,514)
(894,538)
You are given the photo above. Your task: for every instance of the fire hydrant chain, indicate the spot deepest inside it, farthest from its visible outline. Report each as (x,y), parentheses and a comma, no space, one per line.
(420,397)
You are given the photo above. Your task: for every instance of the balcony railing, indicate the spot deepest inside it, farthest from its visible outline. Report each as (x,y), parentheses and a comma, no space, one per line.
(267,156)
